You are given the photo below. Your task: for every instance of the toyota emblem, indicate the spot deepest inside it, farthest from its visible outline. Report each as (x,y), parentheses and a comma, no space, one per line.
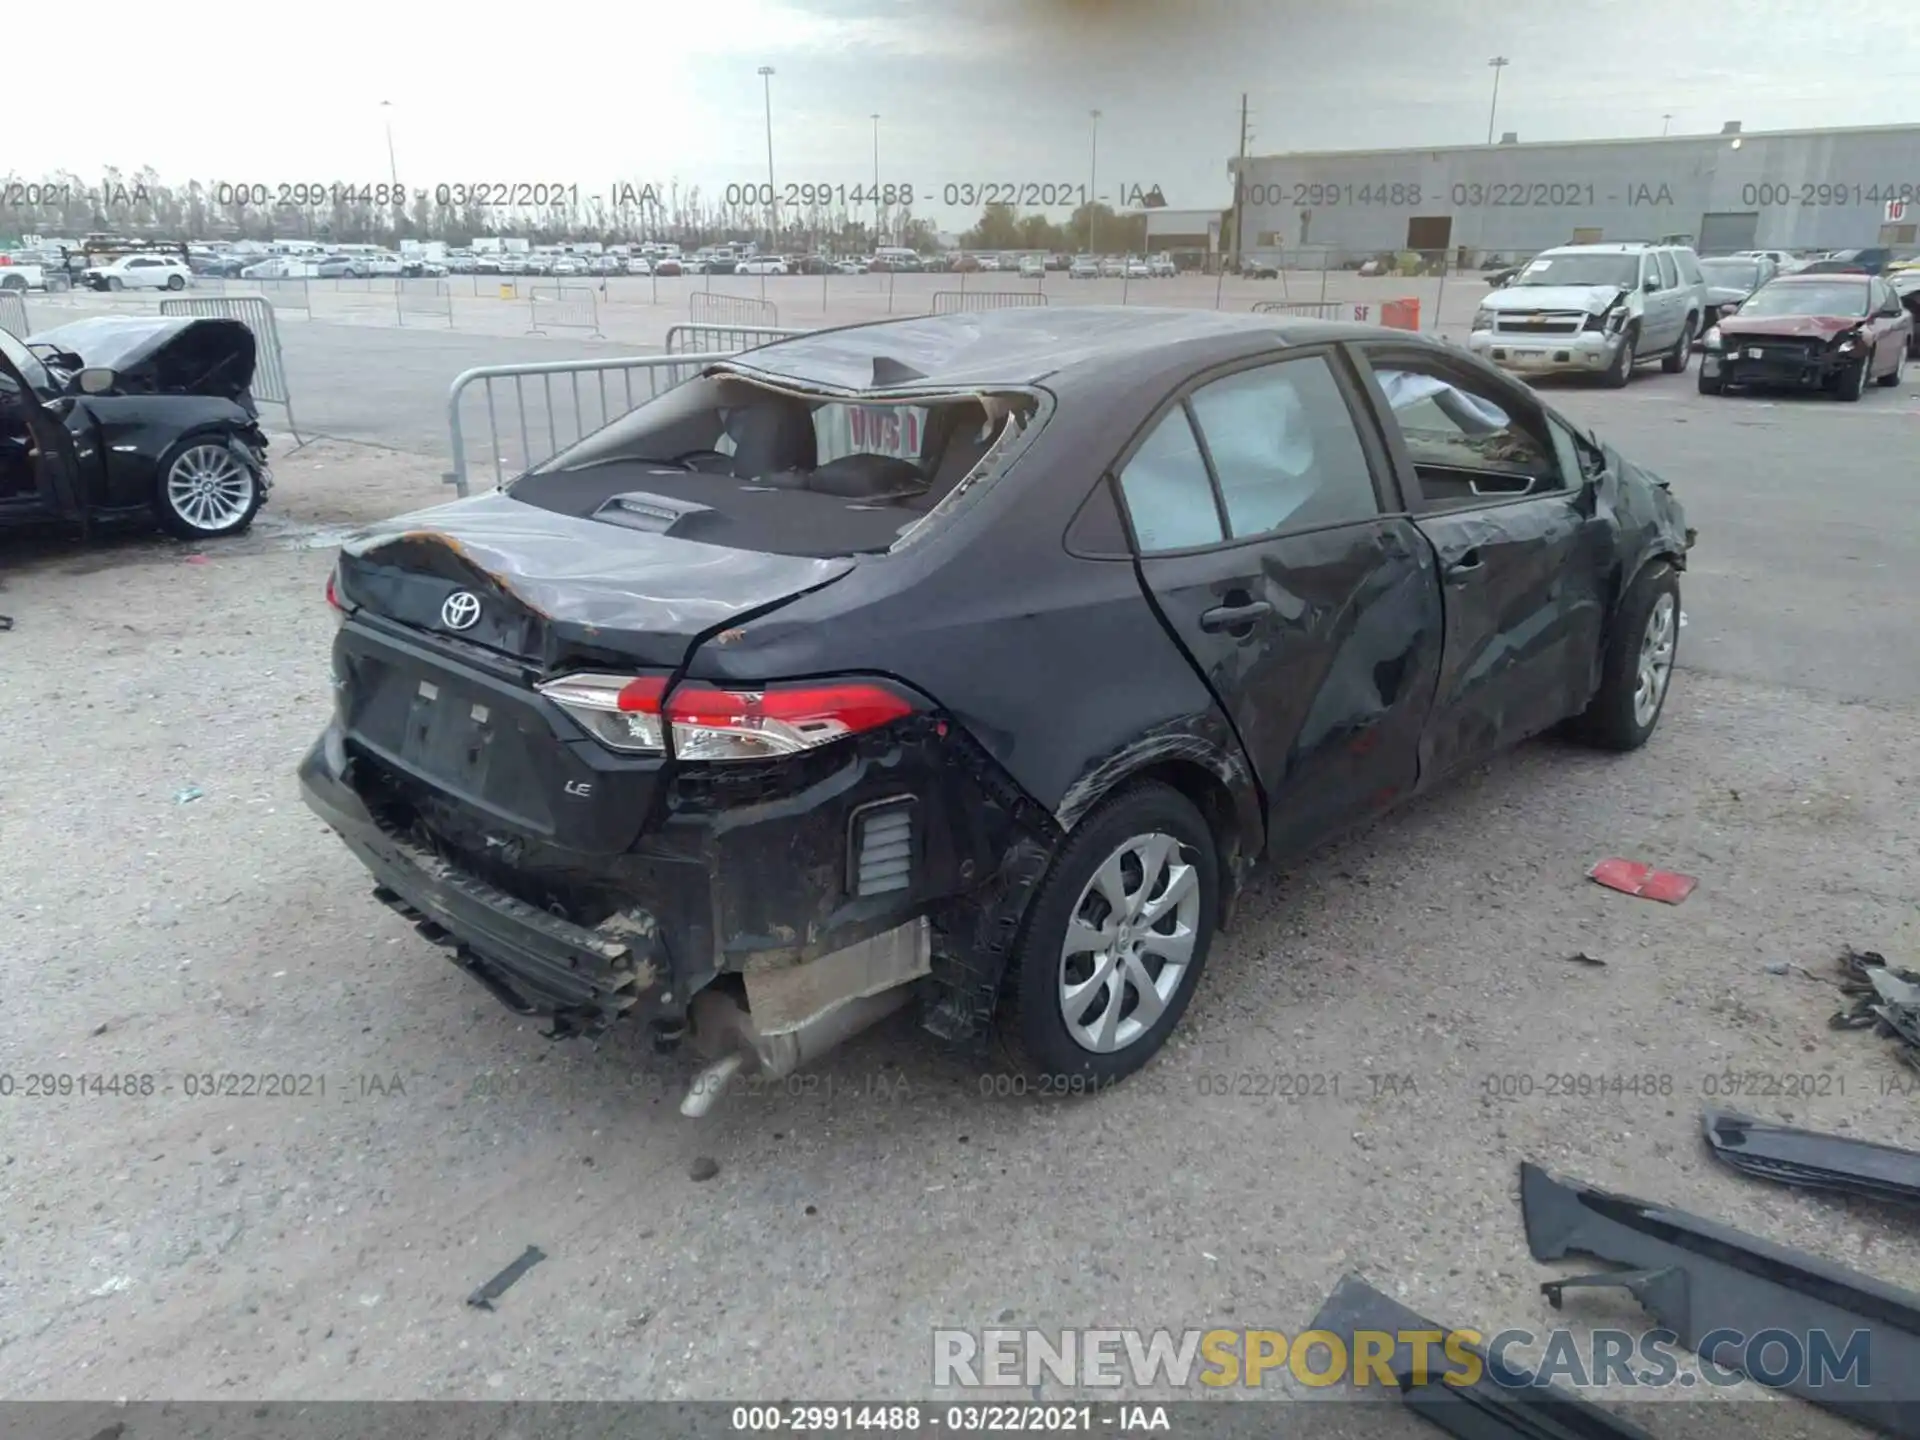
(461,610)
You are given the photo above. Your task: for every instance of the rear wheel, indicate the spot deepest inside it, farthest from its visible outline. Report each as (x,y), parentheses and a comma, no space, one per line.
(205,490)
(1894,376)
(1638,665)
(176,282)
(1674,362)
(1116,939)
(1621,371)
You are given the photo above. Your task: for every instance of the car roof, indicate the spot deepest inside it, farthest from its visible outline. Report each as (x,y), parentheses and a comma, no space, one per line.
(1024,345)
(1820,277)
(1610,247)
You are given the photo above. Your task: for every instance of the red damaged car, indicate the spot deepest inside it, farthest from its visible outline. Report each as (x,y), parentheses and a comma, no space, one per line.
(1830,332)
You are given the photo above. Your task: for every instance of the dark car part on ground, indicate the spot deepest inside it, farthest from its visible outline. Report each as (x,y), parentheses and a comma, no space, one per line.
(728,719)
(1503,1402)
(1886,1000)
(1812,1159)
(112,419)
(1731,1297)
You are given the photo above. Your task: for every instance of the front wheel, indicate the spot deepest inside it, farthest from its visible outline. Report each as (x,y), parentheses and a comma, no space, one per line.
(1853,380)
(205,490)
(1674,362)
(1116,939)
(1894,376)
(1711,384)
(1621,371)
(1637,668)
(114,282)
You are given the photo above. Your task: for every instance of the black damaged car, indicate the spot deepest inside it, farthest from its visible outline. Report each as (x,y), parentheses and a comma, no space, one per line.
(973,660)
(119,418)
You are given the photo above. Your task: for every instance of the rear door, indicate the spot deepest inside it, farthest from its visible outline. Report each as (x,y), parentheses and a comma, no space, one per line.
(1273,545)
(1496,488)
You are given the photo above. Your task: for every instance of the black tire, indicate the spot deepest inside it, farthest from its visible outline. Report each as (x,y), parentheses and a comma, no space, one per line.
(1711,384)
(1674,362)
(1852,383)
(1610,721)
(176,282)
(183,527)
(1893,376)
(1621,371)
(114,282)
(13,283)
(1036,1027)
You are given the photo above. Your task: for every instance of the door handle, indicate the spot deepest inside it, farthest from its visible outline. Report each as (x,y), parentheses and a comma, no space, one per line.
(1234,617)
(1466,567)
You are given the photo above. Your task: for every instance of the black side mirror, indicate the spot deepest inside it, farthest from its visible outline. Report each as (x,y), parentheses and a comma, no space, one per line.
(98,380)
(1651,284)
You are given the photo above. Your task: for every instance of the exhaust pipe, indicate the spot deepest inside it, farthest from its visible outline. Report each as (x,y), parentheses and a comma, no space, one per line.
(720,1023)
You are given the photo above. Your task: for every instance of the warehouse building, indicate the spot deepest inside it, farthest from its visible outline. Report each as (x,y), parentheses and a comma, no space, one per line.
(1782,189)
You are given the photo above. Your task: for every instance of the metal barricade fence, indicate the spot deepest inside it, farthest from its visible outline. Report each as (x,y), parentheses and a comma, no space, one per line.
(286,294)
(640,377)
(557,307)
(721,339)
(269,366)
(432,298)
(952,302)
(13,314)
(705,307)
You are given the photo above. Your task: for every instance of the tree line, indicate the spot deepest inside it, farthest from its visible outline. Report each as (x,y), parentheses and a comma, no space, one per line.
(142,205)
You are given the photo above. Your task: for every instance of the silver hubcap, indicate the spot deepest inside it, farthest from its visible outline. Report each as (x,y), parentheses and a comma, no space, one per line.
(209,488)
(1129,942)
(1656,661)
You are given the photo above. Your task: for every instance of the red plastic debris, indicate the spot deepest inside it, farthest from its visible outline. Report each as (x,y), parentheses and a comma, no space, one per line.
(1630,877)
(198,560)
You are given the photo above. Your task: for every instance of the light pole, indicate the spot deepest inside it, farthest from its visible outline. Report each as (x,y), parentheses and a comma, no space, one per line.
(1093,173)
(773,204)
(1496,64)
(393,166)
(1666,121)
(876,179)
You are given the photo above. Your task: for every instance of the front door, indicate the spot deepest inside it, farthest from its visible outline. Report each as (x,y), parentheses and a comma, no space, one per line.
(1523,559)
(1310,610)
(39,465)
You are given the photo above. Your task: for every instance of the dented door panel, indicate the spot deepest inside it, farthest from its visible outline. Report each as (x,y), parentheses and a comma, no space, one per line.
(1328,688)
(1526,590)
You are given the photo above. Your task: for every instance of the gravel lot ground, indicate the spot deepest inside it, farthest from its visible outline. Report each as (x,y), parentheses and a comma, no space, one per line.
(1415,975)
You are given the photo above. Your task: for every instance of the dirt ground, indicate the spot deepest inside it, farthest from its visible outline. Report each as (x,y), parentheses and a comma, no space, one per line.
(1373,1050)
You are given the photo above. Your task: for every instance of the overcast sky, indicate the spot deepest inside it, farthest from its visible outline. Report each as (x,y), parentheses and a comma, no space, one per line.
(967,90)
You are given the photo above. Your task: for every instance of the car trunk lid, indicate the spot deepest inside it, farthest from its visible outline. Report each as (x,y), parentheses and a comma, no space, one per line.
(458,612)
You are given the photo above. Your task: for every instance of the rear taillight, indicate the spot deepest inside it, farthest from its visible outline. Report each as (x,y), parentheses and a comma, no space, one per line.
(712,723)
(338,606)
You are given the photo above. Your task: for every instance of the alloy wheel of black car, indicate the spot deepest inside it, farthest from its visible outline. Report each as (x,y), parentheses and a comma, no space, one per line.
(206,490)
(1637,669)
(1621,371)
(1117,938)
(1674,362)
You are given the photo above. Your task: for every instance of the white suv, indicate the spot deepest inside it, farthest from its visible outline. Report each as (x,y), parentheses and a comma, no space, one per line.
(1600,309)
(139,272)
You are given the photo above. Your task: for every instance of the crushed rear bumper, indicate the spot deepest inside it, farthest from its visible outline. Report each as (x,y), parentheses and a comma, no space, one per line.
(533,962)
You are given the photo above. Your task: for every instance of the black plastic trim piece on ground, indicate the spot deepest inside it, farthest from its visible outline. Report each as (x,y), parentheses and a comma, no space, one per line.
(1708,1282)
(1505,1404)
(1812,1159)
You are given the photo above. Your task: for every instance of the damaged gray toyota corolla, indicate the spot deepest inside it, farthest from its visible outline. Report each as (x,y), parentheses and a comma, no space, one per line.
(971,659)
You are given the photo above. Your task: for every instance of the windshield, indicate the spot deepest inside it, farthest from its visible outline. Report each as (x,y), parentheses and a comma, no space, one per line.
(23,361)
(1588,268)
(1731,274)
(1837,297)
